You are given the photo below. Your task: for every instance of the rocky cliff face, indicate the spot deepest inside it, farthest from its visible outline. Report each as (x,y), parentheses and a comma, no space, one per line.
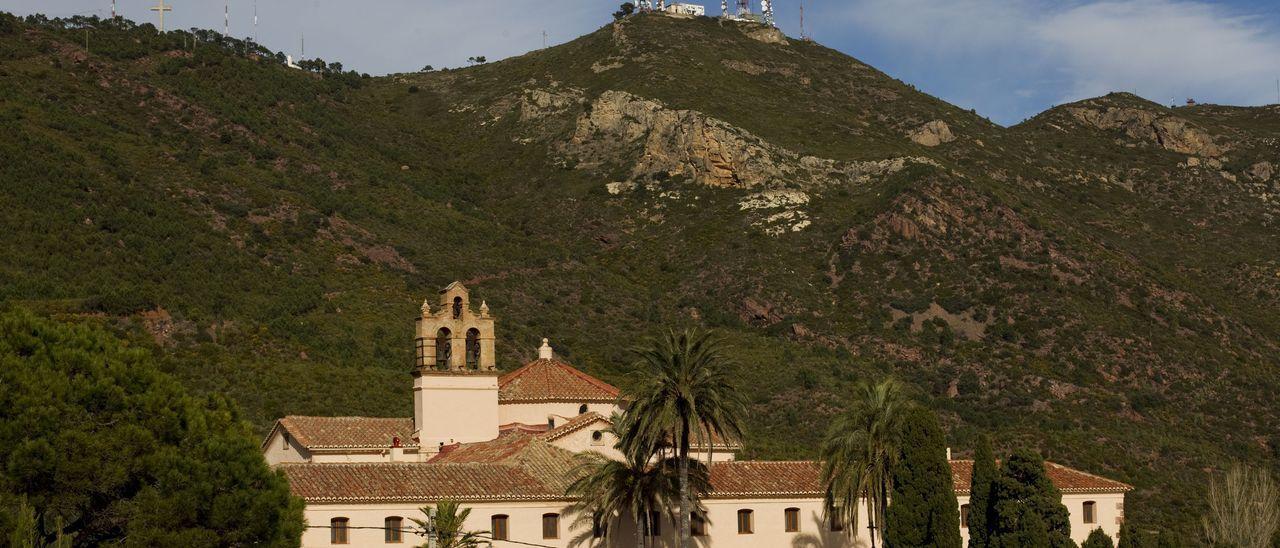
(662,143)
(1169,132)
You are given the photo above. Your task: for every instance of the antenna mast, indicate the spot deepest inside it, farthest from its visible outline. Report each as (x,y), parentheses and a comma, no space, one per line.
(803,35)
(255,21)
(766,11)
(744,8)
(226,18)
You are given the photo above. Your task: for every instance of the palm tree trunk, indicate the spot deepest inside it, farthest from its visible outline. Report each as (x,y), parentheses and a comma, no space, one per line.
(640,529)
(685,509)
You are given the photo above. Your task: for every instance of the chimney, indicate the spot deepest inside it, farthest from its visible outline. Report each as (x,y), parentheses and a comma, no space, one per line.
(948,454)
(545,352)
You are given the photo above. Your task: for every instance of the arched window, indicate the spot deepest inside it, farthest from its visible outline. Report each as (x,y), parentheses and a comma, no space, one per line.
(746,522)
(551,423)
(394,528)
(473,348)
(964,515)
(498,527)
(582,409)
(1090,512)
(444,348)
(457,307)
(338,530)
(791,520)
(550,526)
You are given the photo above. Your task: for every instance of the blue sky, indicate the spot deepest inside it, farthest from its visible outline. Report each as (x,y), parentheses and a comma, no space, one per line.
(1006,59)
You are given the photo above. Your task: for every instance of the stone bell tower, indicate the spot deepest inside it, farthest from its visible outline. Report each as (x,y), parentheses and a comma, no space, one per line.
(455,377)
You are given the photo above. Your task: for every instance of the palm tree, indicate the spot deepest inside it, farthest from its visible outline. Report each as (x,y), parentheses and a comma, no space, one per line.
(860,452)
(683,392)
(607,490)
(445,526)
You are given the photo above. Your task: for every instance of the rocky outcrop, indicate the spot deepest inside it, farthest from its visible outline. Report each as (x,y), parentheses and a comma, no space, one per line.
(933,134)
(768,35)
(665,143)
(1261,171)
(1170,132)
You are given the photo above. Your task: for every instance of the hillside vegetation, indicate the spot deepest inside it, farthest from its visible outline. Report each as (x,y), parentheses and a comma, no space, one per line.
(1099,283)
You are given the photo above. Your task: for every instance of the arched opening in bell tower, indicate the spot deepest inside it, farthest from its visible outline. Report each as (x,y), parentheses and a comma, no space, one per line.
(457,307)
(473,348)
(444,348)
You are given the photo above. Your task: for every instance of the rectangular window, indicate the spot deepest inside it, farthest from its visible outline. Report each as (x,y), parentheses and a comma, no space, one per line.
(836,523)
(1089,515)
(499,527)
(599,529)
(697,525)
(746,525)
(393,527)
(653,527)
(338,531)
(421,352)
(964,515)
(792,520)
(550,525)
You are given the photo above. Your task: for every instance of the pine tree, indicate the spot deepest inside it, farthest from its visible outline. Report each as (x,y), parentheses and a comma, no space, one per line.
(923,512)
(984,473)
(1098,539)
(1024,502)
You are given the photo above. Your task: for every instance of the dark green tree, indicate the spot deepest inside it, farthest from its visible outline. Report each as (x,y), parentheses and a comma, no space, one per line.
(1167,539)
(110,450)
(1026,506)
(627,8)
(923,512)
(1098,539)
(984,474)
(1130,537)
(860,452)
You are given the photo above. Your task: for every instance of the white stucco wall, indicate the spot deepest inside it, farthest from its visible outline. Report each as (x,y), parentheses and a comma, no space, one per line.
(538,413)
(583,440)
(455,408)
(276,450)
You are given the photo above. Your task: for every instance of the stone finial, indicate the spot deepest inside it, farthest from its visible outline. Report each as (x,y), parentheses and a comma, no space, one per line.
(545,352)
(426,308)
(484,309)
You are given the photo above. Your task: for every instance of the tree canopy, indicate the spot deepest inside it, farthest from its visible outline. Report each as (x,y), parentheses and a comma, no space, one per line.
(923,512)
(984,474)
(95,438)
(1025,509)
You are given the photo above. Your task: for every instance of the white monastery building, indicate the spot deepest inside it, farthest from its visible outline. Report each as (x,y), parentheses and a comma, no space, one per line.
(503,445)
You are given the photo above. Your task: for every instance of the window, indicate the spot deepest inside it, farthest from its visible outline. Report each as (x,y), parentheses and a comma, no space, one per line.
(791,520)
(653,527)
(698,524)
(746,522)
(284,437)
(550,525)
(836,522)
(498,527)
(582,409)
(394,527)
(444,348)
(457,307)
(338,530)
(420,351)
(597,437)
(473,348)
(599,529)
(1090,516)
(964,515)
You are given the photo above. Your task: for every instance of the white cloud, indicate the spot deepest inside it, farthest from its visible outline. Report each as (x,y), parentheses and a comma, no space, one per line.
(1063,51)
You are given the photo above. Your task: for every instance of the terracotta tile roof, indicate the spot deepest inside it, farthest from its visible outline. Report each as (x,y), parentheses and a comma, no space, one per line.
(552,380)
(573,425)
(531,453)
(1067,480)
(346,432)
(766,479)
(416,482)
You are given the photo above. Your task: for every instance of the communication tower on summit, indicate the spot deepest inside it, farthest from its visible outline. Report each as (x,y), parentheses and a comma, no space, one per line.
(766,12)
(744,8)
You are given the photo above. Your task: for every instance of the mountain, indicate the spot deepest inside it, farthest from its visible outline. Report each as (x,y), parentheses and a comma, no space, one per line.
(1099,282)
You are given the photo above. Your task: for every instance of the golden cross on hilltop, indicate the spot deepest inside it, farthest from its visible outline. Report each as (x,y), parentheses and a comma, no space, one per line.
(161,8)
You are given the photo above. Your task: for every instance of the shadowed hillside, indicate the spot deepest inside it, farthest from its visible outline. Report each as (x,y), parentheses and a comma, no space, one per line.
(1099,282)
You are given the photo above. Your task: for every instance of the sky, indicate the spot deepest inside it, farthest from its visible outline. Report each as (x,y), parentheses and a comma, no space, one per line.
(1005,59)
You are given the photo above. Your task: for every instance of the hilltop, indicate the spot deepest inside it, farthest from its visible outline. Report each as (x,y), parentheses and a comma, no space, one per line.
(1098,282)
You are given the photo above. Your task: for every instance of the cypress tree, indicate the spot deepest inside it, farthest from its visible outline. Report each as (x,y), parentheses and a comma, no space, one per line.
(1024,502)
(984,473)
(1098,539)
(1130,537)
(923,511)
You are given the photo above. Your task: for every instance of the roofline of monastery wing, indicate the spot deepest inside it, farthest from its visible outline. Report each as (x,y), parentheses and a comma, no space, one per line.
(590,399)
(1121,486)
(438,498)
(570,427)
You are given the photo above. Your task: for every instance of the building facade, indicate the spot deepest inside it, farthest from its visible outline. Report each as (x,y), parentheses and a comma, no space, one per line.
(505,446)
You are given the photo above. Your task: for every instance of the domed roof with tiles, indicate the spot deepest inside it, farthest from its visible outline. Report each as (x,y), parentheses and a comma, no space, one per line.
(549,379)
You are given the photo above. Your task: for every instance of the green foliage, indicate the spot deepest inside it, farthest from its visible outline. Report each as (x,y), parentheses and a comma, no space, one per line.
(862,449)
(1131,537)
(627,8)
(1098,539)
(923,513)
(92,433)
(1026,508)
(684,393)
(980,507)
(446,523)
